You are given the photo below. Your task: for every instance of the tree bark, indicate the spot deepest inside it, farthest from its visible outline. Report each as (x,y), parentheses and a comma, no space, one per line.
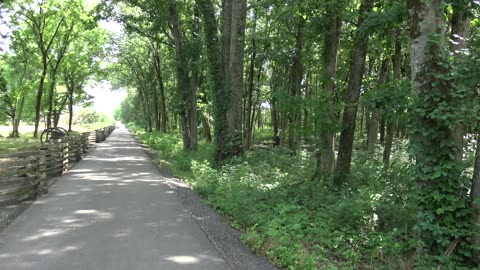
(296,76)
(357,69)
(217,75)
(226,73)
(184,83)
(432,92)
(390,121)
(375,119)
(326,154)
(234,72)
(461,25)
(161,85)
(251,75)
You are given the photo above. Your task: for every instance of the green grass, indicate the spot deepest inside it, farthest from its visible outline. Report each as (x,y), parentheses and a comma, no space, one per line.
(8,145)
(297,223)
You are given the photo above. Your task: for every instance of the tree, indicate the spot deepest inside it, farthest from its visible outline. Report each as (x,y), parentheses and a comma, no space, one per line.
(333,26)
(437,168)
(357,68)
(42,23)
(19,67)
(81,63)
(226,73)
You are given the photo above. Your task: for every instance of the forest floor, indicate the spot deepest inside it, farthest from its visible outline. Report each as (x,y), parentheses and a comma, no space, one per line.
(116,210)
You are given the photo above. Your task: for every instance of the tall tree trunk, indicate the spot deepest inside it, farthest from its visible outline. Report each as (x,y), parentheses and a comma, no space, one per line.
(208,131)
(70,89)
(58,109)
(372,137)
(251,75)
(357,68)
(50,98)
(18,118)
(296,76)
(260,117)
(38,105)
(390,121)
(432,92)
(234,73)
(375,119)
(161,85)
(461,25)
(226,73)
(184,82)
(195,61)
(146,108)
(326,154)
(216,70)
(275,125)
(205,120)
(156,110)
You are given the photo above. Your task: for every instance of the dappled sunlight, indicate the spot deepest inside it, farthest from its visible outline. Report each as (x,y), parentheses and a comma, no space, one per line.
(113,207)
(189,259)
(44,234)
(67,193)
(183,259)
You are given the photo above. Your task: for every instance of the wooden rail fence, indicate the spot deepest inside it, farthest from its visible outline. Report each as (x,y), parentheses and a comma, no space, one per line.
(24,174)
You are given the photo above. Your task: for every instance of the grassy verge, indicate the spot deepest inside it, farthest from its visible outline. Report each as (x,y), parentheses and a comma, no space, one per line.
(298,223)
(8,145)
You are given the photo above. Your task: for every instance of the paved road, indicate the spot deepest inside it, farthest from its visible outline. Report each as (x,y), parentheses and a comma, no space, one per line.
(113,211)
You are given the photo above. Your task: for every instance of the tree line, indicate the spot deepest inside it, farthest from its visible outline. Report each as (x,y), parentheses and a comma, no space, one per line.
(51,50)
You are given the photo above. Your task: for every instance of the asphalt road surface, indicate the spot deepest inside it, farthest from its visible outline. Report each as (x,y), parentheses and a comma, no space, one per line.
(112,211)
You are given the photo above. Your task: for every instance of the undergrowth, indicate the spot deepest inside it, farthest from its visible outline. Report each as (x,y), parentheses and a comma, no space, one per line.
(299,223)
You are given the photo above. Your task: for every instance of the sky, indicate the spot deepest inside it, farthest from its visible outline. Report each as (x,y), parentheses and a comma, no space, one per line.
(105,100)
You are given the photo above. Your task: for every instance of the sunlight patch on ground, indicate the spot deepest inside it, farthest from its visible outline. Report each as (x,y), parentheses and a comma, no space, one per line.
(183,259)
(44,234)
(86,211)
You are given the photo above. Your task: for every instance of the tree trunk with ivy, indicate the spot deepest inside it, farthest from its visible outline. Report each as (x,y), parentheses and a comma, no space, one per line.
(226,73)
(443,214)
(357,69)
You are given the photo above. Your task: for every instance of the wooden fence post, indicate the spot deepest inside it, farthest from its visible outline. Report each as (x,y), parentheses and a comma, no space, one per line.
(65,155)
